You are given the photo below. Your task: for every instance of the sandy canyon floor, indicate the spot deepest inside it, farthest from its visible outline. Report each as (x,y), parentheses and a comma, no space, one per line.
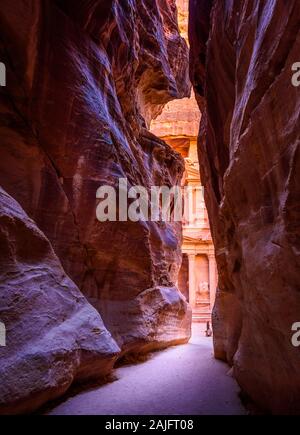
(177,381)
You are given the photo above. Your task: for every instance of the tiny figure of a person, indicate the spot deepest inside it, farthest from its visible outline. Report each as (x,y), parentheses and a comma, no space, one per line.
(208,331)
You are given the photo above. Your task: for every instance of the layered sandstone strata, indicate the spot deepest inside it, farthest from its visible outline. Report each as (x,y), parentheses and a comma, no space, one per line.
(84,80)
(241,59)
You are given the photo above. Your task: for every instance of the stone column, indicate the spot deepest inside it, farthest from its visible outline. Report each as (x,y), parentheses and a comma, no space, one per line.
(192,283)
(212,279)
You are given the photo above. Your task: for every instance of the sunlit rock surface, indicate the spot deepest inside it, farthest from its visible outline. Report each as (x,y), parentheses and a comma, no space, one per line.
(241,65)
(84,80)
(180,118)
(53,335)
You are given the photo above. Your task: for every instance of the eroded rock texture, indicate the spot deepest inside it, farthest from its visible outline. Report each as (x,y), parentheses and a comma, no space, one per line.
(54,336)
(241,58)
(84,80)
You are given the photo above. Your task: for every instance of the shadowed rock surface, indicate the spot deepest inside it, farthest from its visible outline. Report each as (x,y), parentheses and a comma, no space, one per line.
(241,59)
(54,336)
(84,80)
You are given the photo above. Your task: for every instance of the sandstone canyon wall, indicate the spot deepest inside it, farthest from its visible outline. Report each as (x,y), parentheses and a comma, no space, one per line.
(242,53)
(84,80)
(53,334)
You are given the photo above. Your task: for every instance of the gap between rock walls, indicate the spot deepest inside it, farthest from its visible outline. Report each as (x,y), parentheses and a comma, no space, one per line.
(200,100)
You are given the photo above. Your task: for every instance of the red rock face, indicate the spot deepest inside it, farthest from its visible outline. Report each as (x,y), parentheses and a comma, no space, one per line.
(83,82)
(54,336)
(249,151)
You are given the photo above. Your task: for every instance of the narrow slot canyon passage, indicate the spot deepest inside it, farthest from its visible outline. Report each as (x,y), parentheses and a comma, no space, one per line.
(149,207)
(185,379)
(182,380)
